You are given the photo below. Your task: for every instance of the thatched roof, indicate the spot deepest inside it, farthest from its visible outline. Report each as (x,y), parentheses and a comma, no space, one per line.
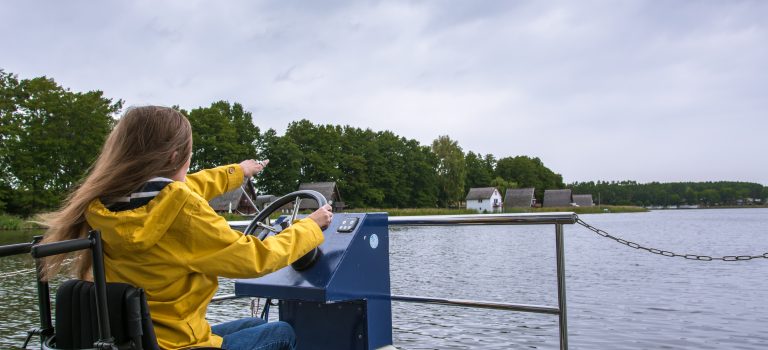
(222,202)
(235,197)
(557,198)
(327,189)
(480,193)
(263,199)
(519,198)
(583,200)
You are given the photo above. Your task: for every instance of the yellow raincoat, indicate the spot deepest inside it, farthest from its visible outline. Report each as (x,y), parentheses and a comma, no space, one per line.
(176,246)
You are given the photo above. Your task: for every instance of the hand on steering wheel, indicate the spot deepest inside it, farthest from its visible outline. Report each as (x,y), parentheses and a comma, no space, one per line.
(321,216)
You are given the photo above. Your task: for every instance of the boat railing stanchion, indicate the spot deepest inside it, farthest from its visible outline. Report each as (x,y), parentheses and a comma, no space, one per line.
(562,314)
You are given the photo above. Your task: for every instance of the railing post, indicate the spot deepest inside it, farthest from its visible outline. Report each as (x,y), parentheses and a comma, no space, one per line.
(106,341)
(560,252)
(43,297)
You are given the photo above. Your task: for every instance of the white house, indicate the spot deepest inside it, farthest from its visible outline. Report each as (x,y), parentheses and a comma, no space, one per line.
(486,199)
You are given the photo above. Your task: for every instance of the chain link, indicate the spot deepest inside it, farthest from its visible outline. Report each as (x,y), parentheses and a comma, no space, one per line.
(668,253)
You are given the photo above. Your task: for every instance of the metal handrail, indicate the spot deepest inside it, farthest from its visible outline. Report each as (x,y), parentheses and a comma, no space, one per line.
(470,219)
(477,304)
(556,218)
(224,297)
(486,219)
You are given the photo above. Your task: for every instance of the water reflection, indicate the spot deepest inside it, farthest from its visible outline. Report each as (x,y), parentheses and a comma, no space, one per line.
(18,293)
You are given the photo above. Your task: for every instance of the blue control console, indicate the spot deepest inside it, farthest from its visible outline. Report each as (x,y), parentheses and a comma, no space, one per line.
(343,300)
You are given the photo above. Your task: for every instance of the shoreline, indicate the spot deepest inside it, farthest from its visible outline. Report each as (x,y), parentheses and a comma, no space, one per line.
(14,223)
(717,207)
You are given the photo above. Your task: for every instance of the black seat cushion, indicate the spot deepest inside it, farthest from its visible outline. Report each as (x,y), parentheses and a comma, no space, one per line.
(76,322)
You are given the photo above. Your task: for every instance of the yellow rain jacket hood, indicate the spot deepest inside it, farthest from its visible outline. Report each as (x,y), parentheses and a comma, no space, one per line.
(176,246)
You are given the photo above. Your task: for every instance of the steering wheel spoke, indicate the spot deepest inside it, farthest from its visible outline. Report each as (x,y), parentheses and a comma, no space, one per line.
(267,227)
(296,208)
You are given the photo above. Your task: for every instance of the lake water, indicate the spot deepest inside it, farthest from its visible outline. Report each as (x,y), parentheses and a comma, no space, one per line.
(618,297)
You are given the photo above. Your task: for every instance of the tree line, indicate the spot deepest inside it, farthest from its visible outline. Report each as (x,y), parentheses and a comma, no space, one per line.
(49,136)
(721,193)
(371,168)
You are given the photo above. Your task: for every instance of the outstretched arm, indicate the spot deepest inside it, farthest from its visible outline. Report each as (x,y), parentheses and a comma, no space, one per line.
(210,183)
(218,250)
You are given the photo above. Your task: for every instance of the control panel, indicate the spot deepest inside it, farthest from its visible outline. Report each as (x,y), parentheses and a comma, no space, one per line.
(348,224)
(348,284)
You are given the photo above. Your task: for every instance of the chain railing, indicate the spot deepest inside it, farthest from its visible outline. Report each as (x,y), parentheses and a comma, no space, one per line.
(668,253)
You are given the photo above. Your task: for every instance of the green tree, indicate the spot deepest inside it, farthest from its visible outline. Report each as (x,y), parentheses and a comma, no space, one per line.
(389,169)
(356,149)
(479,170)
(676,193)
(320,148)
(710,196)
(529,172)
(51,135)
(502,185)
(451,170)
(421,174)
(9,96)
(222,133)
(283,173)
(381,169)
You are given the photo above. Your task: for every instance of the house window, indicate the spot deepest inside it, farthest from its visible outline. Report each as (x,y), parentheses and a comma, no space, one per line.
(479,200)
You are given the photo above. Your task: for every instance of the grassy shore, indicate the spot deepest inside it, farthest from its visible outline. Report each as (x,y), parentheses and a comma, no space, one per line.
(15,223)
(585,210)
(446,211)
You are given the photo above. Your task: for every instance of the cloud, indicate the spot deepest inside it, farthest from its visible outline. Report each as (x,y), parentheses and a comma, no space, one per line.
(596,89)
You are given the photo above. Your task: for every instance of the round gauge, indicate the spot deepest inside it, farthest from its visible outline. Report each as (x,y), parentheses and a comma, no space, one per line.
(374,241)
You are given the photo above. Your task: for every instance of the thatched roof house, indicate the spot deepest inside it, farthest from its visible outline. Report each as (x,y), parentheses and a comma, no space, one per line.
(557,198)
(519,198)
(327,189)
(583,200)
(484,199)
(234,201)
(264,200)
(480,193)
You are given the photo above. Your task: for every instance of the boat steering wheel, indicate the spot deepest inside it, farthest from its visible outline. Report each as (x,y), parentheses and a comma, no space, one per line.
(261,222)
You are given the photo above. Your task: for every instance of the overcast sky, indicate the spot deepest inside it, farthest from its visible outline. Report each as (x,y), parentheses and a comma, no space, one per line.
(599,90)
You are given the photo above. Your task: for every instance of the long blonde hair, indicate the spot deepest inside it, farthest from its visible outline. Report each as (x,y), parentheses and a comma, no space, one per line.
(147,142)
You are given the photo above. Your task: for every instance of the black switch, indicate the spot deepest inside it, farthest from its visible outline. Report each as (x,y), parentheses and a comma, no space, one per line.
(348,225)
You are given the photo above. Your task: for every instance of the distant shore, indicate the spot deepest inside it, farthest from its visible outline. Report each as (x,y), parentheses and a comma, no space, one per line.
(717,207)
(14,223)
(459,211)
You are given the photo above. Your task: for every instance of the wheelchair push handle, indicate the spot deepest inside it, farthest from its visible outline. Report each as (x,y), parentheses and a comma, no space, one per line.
(68,246)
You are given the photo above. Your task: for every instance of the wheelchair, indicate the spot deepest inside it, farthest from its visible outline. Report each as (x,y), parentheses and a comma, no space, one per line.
(89,315)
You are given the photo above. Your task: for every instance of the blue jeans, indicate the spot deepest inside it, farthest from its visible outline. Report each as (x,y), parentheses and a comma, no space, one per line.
(256,334)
